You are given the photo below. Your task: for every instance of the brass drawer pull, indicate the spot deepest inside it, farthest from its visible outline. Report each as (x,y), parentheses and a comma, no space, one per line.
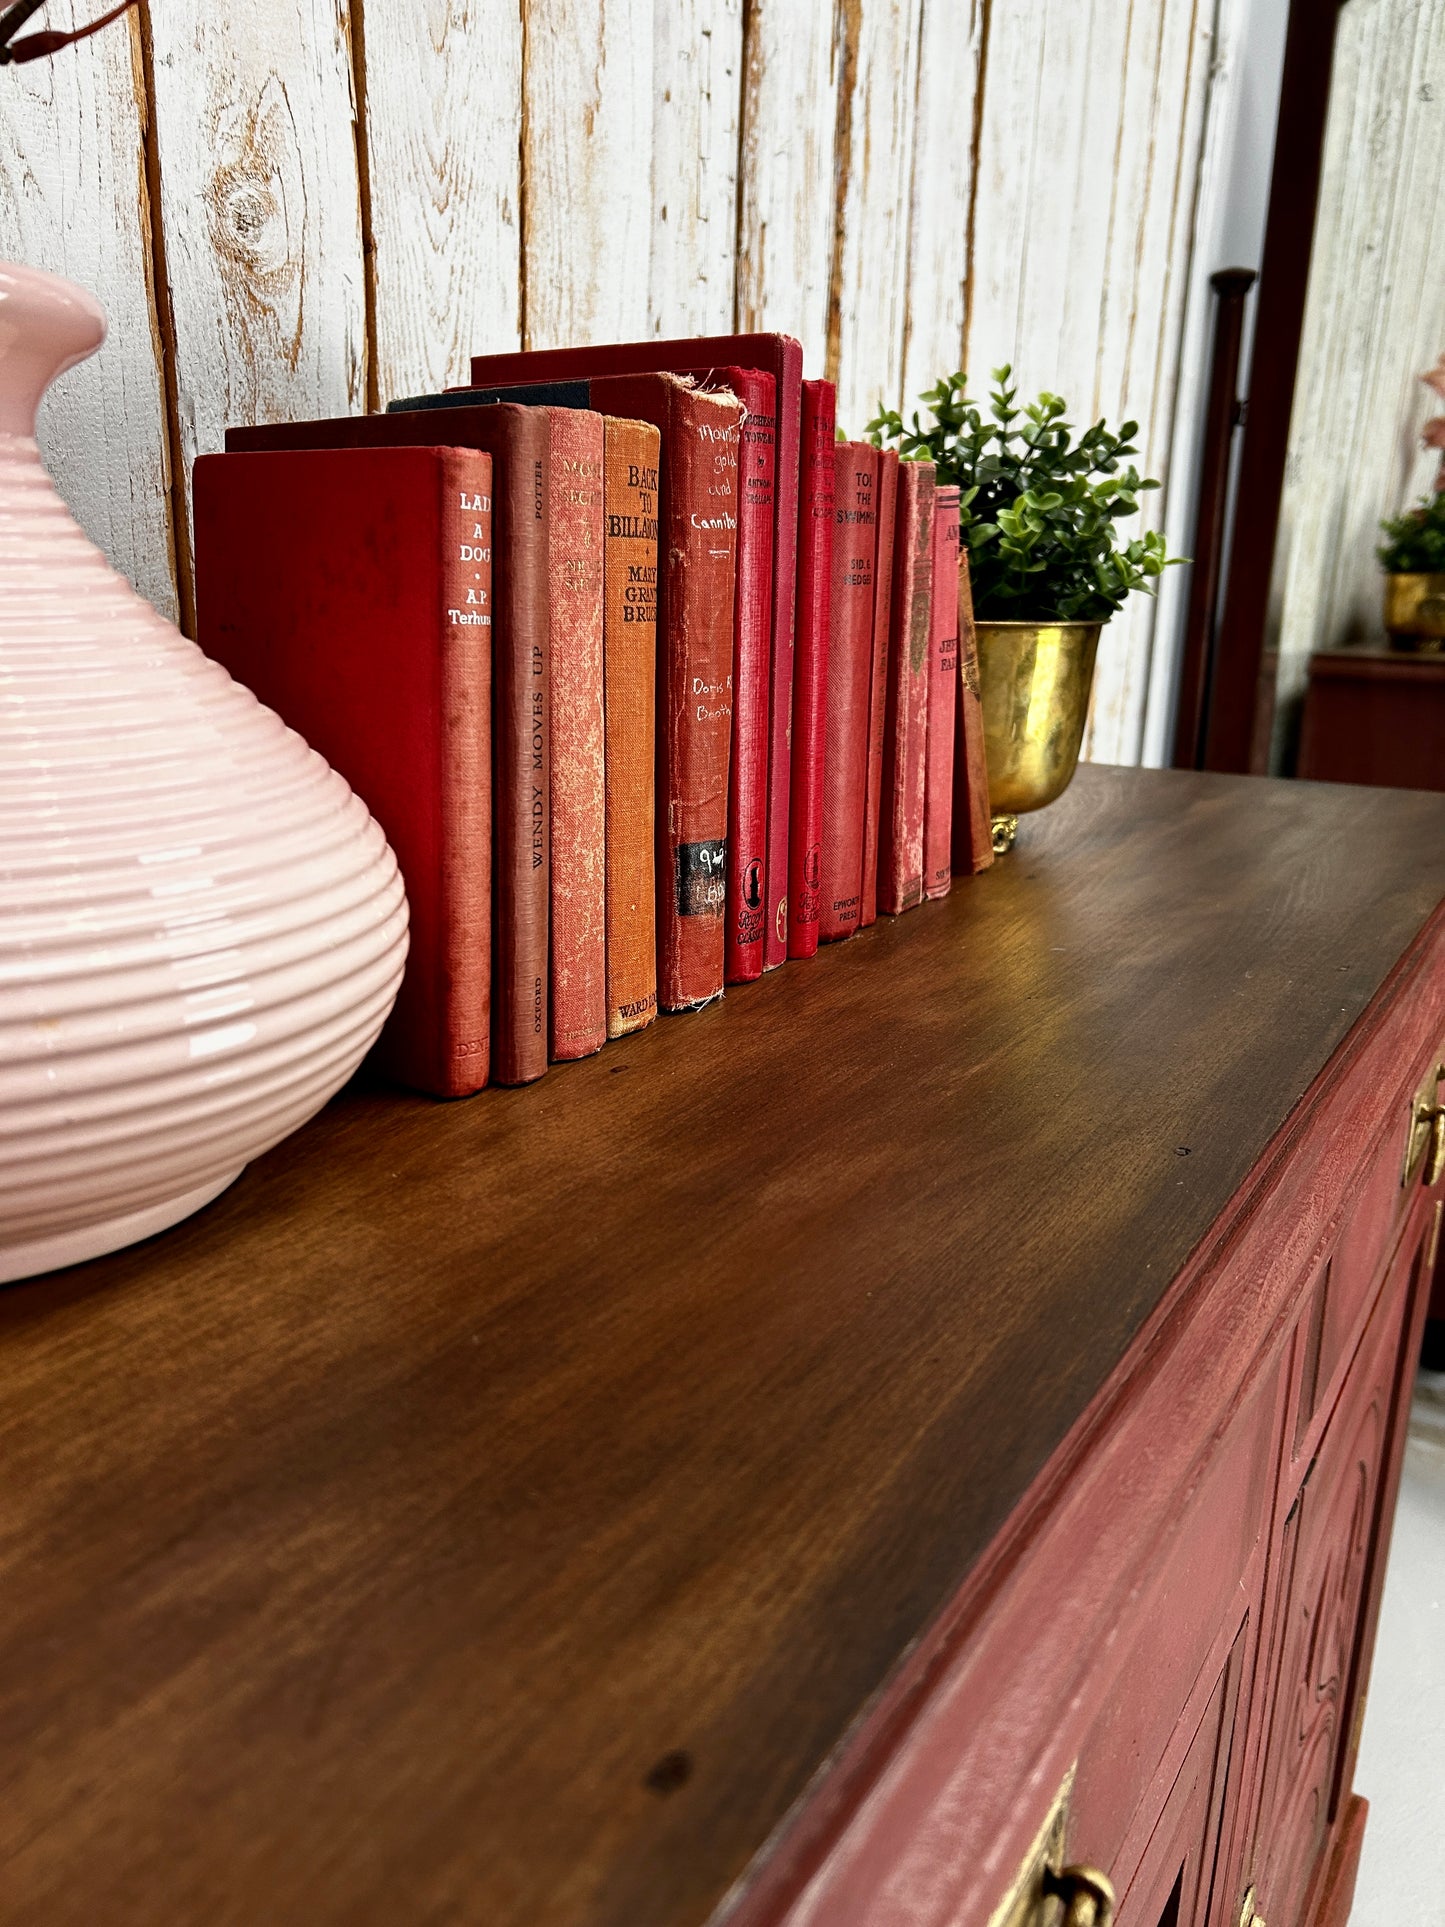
(1087,1895)
(1425,1143)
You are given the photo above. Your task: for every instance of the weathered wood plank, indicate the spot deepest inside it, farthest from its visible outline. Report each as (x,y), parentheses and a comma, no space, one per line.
(1165,98)
(786,225)
(255,134)
(941,193)
(1374,319)
(443,90)
(697,98)
(1089,155)
(73,200)
(876,119)
(586,170)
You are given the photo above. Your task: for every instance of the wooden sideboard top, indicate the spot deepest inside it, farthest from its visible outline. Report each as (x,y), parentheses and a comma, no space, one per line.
(1378,661)
(495,1512)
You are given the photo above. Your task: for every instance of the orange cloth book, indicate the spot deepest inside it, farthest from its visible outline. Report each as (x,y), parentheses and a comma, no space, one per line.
(629,644)
(578,949)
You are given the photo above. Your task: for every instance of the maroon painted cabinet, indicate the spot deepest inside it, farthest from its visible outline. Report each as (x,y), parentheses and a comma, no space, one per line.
(1373,714)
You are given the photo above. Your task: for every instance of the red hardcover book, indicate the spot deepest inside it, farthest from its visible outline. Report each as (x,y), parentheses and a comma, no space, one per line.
(943,679)
(810,675)
(972,821)
(905,730)
(878,690)
(350,589)
(747,870)
(579,784)
(850,678)
(782,358)
(519,442)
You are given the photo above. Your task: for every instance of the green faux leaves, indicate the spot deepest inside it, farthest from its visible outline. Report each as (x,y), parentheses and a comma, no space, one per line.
(1416,544)
(1038,509)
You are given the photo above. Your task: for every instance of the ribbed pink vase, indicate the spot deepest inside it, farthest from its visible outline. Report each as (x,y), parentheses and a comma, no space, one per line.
(201,928)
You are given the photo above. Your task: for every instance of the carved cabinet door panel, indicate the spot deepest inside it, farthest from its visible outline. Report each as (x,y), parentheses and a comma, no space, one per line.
(1325,1558)
(1172,1885)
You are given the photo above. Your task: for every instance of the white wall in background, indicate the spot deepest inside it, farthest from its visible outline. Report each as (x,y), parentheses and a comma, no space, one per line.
(1374,319)
(1233,205)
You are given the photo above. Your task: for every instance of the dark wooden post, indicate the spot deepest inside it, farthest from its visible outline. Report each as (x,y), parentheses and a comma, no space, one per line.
(1222,415)
(1241,705)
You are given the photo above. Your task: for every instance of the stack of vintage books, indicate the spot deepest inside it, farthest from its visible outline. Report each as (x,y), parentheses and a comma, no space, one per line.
(652,683)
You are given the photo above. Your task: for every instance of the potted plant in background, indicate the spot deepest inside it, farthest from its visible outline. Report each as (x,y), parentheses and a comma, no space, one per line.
(1413,558)
(1039,511)
(1413,553)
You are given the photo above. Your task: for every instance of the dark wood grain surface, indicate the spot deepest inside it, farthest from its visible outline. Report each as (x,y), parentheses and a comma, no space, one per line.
(494,1513)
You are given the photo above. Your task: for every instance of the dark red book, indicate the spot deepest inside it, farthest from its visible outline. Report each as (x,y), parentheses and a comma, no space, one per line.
(578,949)
(878,690)
(350,590)
(782,358)
(905,729)
(850,679)
(810,673)
(747,868)
(972,820)
(942,682)
(519,442)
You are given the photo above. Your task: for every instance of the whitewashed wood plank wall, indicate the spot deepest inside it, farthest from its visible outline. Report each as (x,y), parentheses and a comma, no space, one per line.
(1374,320)
(293,206)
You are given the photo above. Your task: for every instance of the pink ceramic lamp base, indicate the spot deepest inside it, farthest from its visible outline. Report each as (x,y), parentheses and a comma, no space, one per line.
(84,1241)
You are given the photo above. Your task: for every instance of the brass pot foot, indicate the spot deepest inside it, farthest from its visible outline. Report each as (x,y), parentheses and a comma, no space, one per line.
(1003,831)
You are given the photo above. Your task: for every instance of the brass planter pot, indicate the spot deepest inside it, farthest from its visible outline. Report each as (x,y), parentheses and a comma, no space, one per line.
(1415,610)
(1035,679)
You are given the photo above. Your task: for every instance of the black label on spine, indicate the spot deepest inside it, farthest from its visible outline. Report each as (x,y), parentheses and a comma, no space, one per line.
(700,882)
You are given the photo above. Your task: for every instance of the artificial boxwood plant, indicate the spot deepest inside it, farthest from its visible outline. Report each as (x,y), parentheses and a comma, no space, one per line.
(1039,509)
(1416,540)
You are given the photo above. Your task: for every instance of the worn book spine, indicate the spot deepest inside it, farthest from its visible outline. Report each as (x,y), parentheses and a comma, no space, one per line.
(465,621)
(810,670)
(700,456)
(752,668)
(784,658)
(696,694)
(878,687)
(521,774)
(972,821)
(905,733)
(629,637)
(850,676)
(697,542)
(578,778)
(942,682)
